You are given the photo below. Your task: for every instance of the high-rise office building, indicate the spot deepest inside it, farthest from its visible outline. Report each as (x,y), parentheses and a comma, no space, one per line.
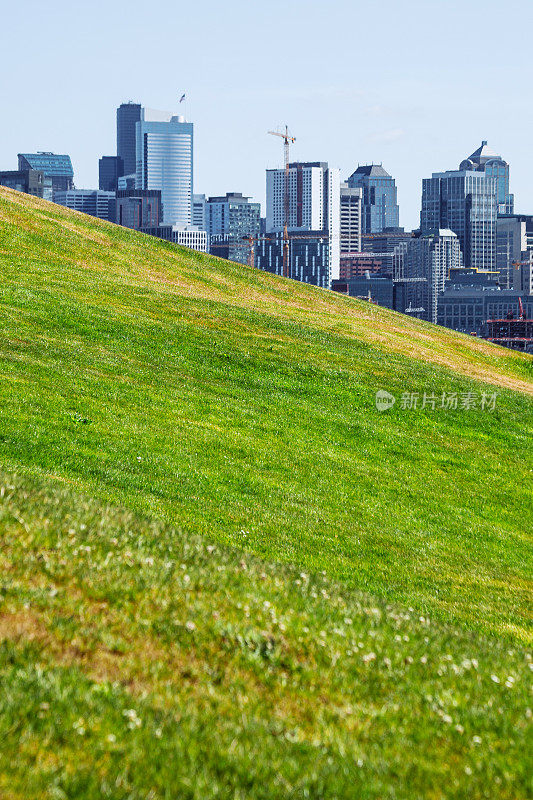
(110,169)
(469,201)
(487,161)
(58,168)
(228,220)
(314,207)
(164,145)
(350,219)
(464,201)
(128,115)
(379,200)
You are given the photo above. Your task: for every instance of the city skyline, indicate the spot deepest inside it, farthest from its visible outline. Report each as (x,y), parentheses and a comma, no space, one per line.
(347,105)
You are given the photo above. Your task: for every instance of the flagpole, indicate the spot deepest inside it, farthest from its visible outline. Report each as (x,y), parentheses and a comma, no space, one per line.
(183,98)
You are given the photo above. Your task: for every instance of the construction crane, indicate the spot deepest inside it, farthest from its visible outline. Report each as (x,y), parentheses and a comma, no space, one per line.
(287,141)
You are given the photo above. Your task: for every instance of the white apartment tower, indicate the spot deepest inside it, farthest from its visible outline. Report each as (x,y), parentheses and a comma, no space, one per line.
(314,204)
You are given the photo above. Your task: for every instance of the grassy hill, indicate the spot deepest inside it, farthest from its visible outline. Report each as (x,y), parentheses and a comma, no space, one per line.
(174,428)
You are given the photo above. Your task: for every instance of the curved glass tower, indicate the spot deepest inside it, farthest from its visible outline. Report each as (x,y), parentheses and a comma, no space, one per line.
(164,150)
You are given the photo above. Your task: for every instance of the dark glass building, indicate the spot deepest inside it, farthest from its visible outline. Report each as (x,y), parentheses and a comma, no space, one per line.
(56,167)
(110,169)
(469,201)
(128,114)
(379,208)
(463,201)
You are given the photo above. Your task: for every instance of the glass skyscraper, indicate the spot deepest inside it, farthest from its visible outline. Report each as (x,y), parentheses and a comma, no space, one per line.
(380,198)
(164,153)
(465,201)
(486,160)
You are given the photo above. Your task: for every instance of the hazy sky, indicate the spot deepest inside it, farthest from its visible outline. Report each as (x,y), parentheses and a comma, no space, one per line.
(415,85)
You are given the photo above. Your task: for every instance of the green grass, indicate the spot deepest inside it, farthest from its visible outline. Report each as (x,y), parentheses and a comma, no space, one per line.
(227,406)
(140,662)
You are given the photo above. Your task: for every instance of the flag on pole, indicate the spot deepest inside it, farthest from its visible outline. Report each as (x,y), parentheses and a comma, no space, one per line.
(182,98)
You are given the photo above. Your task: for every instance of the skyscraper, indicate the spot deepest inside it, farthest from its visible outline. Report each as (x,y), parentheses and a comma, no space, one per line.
(350,219)
(57,168)
(428,258)
(128,115)
(464,201)
(314,206)
(164,147)
(486,160)
(380,199)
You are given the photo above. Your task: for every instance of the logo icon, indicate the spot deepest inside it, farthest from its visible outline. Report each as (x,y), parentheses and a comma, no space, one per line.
(384,400)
